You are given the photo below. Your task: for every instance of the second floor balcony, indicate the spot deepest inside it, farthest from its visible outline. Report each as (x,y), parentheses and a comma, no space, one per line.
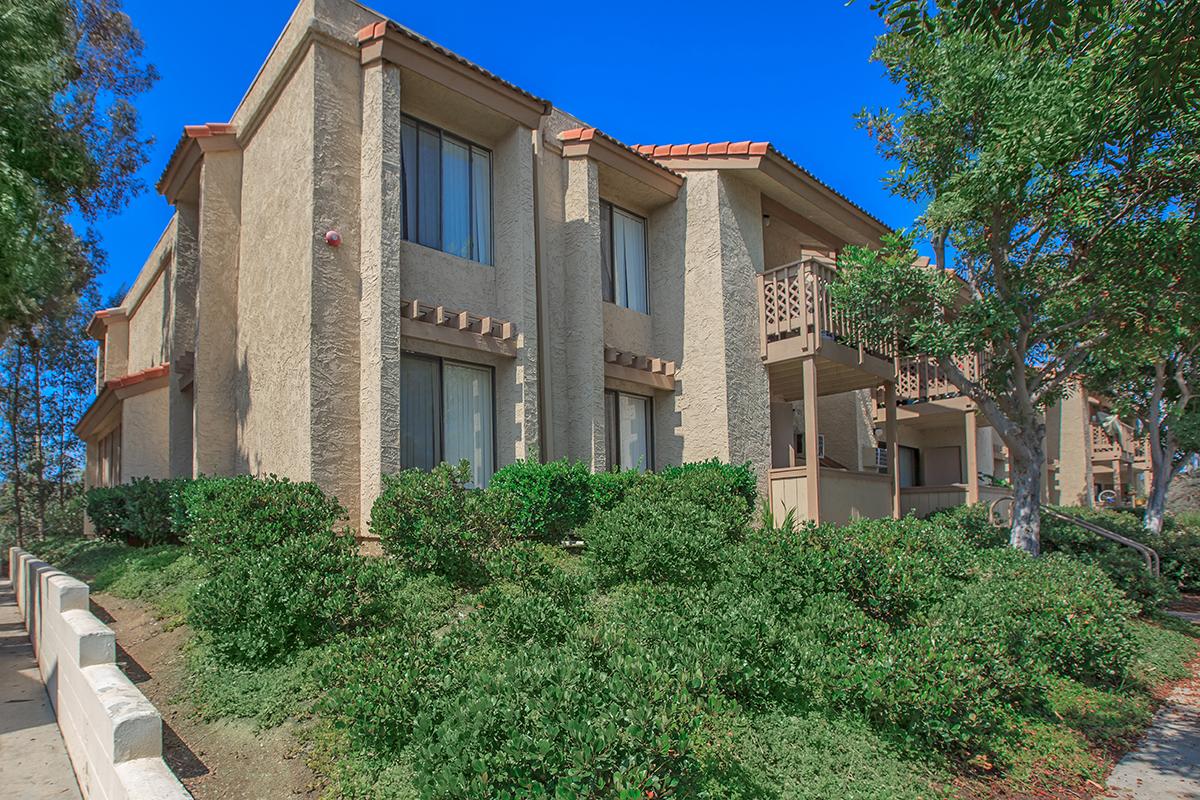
(1109,444)
(798,320)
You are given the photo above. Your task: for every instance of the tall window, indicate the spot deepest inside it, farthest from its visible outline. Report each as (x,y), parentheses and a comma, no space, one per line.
(447,184)
(623,258)
(446,415)
(629,431)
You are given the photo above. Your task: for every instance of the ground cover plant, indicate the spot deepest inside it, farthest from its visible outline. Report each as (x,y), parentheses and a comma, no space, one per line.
(686,652)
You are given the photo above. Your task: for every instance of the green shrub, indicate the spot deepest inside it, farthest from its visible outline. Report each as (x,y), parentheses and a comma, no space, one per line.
(609,488)
(546,500)
(727,489)
(106,509)
(150,511)
(651,536)
(141,512)
(430,521)
(892,569)
(270,600)
(973,524)
(226,517)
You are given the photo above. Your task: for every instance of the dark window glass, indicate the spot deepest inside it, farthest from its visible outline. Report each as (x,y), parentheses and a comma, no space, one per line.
(446,186)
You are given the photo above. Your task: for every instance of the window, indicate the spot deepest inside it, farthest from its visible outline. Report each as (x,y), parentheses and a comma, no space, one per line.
(820,445)
(910,466)
(623,258)
(446,415)
(447,191)
(629,431)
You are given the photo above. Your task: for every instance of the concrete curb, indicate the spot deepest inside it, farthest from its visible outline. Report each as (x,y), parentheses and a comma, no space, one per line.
(112,732)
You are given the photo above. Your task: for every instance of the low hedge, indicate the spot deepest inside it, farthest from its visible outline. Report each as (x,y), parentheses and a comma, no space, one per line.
(545,501)
(141,512)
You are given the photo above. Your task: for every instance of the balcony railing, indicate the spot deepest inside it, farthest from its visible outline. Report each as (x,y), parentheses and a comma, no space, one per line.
(921,379)
(1106,446)
(794,301)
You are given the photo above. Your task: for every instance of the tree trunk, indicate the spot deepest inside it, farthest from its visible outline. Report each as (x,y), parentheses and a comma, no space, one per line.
(39,465)
(1025,533)
(1156,500)
(15,429)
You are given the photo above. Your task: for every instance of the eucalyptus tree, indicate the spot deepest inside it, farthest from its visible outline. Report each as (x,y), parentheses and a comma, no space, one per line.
(70,147)
(1035,157)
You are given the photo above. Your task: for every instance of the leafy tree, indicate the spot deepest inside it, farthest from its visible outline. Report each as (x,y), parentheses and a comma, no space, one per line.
(69,144)
(1038,159)
(1151,366)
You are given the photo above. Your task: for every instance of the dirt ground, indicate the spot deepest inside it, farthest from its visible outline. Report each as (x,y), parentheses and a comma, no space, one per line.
(223,760)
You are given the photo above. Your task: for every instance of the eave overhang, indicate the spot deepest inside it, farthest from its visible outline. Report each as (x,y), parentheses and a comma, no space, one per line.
(114,392)
(400,46)
(607,151)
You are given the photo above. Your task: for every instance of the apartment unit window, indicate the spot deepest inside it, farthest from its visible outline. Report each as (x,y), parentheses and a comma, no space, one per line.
(623,258)
(629,431)
(446,414)
(447,191)
(108,459)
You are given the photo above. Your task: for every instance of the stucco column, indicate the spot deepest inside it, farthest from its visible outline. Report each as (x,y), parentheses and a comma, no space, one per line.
(892,432)
(516,291)
(812,459)
(585,318)
(972,457)
(185,268)
(381,218)
(214,388)
(1117,478)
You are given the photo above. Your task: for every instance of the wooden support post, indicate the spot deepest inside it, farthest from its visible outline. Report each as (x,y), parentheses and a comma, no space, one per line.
(972,457)
(812,460)
(892,432)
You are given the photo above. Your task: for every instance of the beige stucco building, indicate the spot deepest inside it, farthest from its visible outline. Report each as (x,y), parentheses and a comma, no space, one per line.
(1093,458)
(389,257)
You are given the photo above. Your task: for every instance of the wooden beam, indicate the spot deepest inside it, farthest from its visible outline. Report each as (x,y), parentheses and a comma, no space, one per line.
(892,432)
(972,458)
(416,329)
(812,458)
(641,377)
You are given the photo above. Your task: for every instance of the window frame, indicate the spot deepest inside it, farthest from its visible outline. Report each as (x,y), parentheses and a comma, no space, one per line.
(611,443)
(471,146)
(440,402)
(607,208)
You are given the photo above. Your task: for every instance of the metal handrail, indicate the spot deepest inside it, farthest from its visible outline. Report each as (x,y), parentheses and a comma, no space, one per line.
(1148,554)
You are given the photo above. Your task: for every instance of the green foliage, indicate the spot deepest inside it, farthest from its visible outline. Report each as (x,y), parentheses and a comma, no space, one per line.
(430,521)
(547,500)
(106,510)
(225,517)
(609,488)
(143,511)
(651,535)
(269,601)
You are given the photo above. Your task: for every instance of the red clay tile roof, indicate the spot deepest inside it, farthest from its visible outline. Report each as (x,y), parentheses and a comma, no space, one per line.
(376,30)
(587,134)
(208,129)
(746,148)
(138,377)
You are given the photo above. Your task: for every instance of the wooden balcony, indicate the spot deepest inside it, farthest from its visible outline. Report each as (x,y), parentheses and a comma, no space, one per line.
(798,320)
(1106,447)
(923,391)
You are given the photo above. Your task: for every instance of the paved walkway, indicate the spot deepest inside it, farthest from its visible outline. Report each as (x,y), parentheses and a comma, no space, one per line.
(33,759)
(1166,764)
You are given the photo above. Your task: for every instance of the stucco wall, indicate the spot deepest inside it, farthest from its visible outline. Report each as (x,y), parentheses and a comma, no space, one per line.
(334,355)
(148,334)
(1068,425)
(274,286)
(144,436)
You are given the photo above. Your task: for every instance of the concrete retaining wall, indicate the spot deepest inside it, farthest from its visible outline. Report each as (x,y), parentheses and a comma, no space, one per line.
(112,732)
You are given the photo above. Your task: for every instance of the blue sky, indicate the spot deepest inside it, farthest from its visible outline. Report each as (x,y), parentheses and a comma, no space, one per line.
(644,73)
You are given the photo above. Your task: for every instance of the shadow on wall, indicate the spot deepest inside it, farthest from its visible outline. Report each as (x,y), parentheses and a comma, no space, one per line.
(668,268)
